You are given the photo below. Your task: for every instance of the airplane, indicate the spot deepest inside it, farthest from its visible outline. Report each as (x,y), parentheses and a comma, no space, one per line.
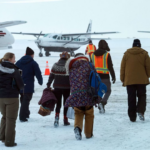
(53,42)
(6,38)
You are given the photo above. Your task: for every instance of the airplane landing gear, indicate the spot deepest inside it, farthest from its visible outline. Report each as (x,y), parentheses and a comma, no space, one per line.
(72,53)
(40,54)
(47,53)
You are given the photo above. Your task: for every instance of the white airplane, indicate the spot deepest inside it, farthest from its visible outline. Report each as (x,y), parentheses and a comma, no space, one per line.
(63,42)
(6,38)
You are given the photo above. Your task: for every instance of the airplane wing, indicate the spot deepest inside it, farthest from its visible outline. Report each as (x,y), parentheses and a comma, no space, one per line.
(94,33)
(144,31)
(34,34)
(100,38)
(10,23)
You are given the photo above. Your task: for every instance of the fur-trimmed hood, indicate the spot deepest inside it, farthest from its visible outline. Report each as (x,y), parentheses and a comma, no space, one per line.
(7,67)
(71,61)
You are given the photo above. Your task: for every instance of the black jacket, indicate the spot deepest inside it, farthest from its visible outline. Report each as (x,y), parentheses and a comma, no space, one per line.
(101,52)
(10,81)
(59,75)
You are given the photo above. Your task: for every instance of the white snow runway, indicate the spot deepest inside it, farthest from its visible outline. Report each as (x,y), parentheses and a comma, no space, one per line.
(112,130)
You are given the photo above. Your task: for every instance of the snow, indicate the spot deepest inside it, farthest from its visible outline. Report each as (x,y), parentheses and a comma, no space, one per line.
(112,130)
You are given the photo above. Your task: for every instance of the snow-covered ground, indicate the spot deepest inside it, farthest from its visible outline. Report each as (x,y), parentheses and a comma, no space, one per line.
(113,130)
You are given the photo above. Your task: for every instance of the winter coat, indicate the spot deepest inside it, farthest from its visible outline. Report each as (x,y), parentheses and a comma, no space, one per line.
(10,80)
(48,99)
(135,67)
(79,71)
(101,52)
(29,68)
(59,75)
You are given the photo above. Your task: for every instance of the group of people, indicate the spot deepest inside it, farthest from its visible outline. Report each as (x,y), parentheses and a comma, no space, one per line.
(70,79)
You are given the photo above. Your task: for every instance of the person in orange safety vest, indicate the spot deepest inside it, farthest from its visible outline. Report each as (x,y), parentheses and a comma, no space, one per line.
(103,65)
(90,49)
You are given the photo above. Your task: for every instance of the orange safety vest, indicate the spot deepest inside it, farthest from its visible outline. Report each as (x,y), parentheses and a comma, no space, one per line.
(91,48)
(101,63)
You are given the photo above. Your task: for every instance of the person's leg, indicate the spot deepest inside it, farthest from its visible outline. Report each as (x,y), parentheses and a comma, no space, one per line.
(89,120)
(131,90)
(29,98)
(107,94)
(58,94)
(78,123)
(12,106)
(24,112)
(66,94)
(79,114)
(141,105)
(3,119)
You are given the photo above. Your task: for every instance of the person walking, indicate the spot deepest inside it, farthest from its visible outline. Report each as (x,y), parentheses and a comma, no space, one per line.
(135,73)
(61,85)
(90,49)
(10,85)
(29,68)
(80,100)
(102,61)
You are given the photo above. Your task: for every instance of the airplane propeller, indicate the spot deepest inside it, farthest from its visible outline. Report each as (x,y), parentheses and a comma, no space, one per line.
(37,40)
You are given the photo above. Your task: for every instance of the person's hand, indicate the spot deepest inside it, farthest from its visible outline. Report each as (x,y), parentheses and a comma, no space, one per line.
(114,80)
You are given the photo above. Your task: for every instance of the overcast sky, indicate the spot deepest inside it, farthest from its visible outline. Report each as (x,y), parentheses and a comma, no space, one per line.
(73,16)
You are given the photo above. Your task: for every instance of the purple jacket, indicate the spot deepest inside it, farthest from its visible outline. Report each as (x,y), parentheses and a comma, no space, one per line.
(79,82)
(48,99)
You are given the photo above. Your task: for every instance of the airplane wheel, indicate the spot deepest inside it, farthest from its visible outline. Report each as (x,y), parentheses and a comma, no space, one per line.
(47,54)
(40,55)
(72,54)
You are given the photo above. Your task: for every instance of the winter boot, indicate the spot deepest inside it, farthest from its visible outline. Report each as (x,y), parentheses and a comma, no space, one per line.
(56,122)
(15,144)
(141,116)
(101,108)
(66,123)
(77,132)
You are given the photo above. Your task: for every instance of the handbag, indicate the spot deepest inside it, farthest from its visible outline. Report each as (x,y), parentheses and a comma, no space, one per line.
(70,113)
(43,111)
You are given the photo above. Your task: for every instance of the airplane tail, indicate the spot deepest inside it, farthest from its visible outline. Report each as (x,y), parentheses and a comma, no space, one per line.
(89,29)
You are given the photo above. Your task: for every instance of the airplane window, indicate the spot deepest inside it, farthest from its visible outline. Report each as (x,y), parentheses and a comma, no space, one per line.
(64,38)
(55,36)
(58,38)
(68,38)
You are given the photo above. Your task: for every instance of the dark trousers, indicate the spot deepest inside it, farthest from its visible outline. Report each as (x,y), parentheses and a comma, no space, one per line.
(137,90)
(24,109)
(59,93)
(9,110)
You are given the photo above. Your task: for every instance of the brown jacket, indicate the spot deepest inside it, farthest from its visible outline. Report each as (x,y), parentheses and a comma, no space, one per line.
(135,67)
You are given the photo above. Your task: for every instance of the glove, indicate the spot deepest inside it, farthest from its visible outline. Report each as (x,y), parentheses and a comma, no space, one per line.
(114,80)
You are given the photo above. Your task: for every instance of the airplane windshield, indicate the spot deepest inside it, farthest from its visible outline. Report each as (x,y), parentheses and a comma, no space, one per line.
(55,36)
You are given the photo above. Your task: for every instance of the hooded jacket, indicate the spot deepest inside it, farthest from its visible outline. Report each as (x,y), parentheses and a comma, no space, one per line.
(79,72)
(29,68)
(10,80)
(135,67)
(101,52)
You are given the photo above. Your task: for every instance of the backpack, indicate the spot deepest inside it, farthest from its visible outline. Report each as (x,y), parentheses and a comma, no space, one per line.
(97,89)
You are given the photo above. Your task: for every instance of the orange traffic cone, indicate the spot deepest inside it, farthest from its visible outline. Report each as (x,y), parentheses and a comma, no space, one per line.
(47,70)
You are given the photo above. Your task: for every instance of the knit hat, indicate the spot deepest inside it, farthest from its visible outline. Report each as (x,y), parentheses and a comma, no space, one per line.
(136,43)
(29,51)
(103,45)
(65,55)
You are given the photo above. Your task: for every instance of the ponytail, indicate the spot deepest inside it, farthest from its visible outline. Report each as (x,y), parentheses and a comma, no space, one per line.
(7,56)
